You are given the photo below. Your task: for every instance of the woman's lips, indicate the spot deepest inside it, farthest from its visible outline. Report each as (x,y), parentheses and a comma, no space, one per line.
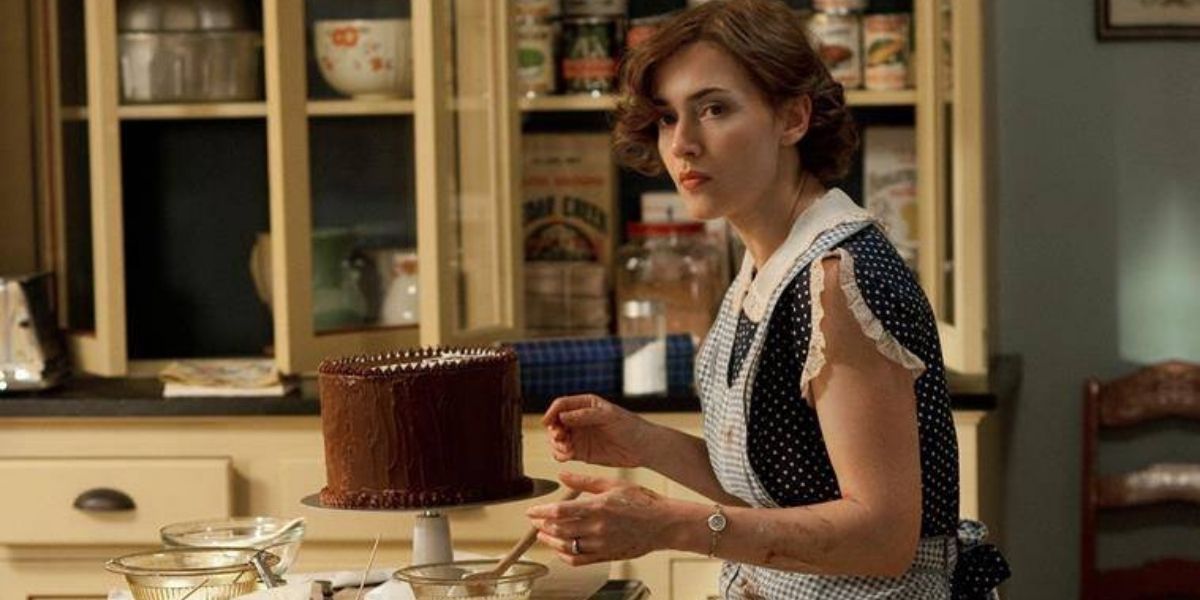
(692,181)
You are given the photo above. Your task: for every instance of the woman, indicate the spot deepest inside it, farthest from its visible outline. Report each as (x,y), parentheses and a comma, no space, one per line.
(829,448)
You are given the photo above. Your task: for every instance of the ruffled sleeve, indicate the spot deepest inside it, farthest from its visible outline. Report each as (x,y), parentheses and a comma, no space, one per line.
(872,326)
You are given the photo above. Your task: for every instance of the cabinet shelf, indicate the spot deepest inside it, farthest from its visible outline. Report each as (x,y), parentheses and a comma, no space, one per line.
(213,110)
(583,102)
(356,108)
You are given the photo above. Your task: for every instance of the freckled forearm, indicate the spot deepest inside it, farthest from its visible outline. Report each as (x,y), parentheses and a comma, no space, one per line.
(832,538)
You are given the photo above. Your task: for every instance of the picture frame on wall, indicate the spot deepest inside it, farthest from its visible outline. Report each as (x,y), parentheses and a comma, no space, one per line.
(1147,19)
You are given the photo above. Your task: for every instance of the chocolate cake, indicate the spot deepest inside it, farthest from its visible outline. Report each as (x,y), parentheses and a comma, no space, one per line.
(429,427)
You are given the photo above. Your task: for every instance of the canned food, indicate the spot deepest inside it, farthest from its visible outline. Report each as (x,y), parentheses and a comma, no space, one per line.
(885,50)
(643,28)
(595,8)
(535,56)
(838,40)
(840,6)
(537,9)
(589,54)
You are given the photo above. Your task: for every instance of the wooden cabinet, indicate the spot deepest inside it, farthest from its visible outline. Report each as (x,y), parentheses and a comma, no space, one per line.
(158,213)
(178,469)
(152,210)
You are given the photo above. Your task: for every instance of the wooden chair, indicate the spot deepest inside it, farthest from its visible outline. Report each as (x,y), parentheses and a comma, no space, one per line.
(1163,391)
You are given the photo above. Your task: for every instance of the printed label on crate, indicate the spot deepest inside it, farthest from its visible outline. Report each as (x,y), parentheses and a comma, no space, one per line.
(567,210)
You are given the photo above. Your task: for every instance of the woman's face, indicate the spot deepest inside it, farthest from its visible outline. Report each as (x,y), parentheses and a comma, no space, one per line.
(719,138)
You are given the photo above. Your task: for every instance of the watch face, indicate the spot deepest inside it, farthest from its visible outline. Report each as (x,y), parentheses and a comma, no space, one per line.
(716,522)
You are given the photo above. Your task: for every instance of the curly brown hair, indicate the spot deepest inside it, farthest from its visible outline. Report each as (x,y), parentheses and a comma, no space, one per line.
(771,43)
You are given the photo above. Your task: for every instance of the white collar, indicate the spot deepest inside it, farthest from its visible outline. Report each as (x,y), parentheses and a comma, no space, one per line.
(829,210)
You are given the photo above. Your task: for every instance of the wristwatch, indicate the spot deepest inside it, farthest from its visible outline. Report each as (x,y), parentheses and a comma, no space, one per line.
(716,524)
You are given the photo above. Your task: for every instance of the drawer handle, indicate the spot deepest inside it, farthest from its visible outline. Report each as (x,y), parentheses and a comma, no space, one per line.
(104,500)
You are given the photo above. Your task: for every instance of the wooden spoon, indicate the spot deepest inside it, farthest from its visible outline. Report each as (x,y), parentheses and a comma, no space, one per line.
(515,553)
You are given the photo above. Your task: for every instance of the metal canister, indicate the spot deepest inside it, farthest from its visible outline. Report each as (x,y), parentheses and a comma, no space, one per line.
(839,6)
(643,28)
(589,53)
(536,41)
(537,9)
(839,43)
(595,8)
(885,51)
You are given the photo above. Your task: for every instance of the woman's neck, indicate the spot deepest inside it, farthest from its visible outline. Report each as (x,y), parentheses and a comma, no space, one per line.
(765,227)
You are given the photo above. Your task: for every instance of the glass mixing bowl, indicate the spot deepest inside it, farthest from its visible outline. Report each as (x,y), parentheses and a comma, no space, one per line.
(444,580)
(194,573)
(239,532)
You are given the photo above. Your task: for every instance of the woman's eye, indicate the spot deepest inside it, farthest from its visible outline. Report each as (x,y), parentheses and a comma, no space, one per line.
(666,120)
(713,110)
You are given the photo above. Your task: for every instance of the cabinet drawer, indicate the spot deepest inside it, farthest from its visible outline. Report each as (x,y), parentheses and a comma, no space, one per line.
(40,497)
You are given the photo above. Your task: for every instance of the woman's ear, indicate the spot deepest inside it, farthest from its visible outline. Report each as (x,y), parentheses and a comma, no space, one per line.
(796,117)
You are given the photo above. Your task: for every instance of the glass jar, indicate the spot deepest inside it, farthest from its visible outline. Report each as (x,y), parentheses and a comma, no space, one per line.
(643,347)
(677,265)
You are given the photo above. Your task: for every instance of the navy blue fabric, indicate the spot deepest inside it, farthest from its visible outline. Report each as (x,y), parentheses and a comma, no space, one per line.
(560,367)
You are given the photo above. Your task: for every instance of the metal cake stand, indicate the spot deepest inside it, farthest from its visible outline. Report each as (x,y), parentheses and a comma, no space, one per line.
(431,529)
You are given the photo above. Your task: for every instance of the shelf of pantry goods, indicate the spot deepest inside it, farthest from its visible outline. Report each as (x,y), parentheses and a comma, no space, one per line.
(245,110)
(585,102)
(333,108)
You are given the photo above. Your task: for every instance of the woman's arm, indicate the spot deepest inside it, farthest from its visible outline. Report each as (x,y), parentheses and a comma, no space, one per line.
(867,410)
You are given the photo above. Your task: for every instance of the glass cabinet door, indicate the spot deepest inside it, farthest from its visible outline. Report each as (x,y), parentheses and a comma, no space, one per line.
(950,116)
(388,131)
(467,128)
(79,176)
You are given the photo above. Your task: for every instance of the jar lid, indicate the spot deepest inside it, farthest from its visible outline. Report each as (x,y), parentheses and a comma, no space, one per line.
(671,228)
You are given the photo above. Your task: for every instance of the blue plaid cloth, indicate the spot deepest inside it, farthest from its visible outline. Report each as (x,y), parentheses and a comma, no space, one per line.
(559,367)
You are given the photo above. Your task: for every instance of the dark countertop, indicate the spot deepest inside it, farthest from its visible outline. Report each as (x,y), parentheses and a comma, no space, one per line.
(100,397)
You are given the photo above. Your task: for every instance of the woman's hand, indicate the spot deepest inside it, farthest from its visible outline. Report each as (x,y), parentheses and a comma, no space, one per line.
(618,521)
(593,430)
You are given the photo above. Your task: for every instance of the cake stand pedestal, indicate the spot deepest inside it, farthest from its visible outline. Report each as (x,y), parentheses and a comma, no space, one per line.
(431,541)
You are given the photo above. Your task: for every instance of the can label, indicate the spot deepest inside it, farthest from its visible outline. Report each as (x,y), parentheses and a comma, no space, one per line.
(886,54)
(535,57)
(840,6)
(589,60)
(536,9)
(595,8)
(839,44)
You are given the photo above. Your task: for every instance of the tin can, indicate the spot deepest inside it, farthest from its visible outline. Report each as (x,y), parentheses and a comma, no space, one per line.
(840,6)
(589,54)
(537,9)
(838,39)
(535,56)
(595,8)
(643,28)
(885,51)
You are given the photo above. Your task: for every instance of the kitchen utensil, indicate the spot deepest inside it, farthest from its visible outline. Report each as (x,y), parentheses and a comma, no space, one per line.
(32,354)
(276,536)
(516,552)
(173,573)
(444,580)
(365,57)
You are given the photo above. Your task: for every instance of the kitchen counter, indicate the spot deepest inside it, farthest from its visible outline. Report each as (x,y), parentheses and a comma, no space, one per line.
(101,397)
